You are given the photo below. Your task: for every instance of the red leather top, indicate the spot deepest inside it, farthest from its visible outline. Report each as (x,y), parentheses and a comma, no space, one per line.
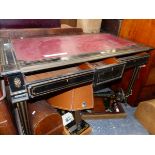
(32,49)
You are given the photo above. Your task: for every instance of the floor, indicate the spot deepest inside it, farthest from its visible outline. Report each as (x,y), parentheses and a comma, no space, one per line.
(123,126)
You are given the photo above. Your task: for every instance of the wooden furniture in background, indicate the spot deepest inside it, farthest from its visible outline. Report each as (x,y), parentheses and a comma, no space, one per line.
(7,126)
(44,119)
(145,114)
(70,22)
(29,23)
(141,31)
(111,26)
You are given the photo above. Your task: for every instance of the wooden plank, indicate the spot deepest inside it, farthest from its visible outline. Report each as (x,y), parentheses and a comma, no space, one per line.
(70,22)
(103,116)
(36,32)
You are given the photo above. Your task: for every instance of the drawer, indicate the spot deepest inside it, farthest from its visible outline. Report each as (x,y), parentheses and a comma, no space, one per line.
(107,70)
(66,78)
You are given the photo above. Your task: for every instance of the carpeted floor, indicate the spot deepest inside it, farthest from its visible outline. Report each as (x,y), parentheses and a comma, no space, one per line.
(124,126)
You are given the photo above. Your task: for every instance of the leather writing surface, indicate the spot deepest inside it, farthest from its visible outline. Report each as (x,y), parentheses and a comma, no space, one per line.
(33,49)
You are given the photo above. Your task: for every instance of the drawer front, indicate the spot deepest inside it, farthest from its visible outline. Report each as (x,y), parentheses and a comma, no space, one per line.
(133,61)
(53,85)
(109,74)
